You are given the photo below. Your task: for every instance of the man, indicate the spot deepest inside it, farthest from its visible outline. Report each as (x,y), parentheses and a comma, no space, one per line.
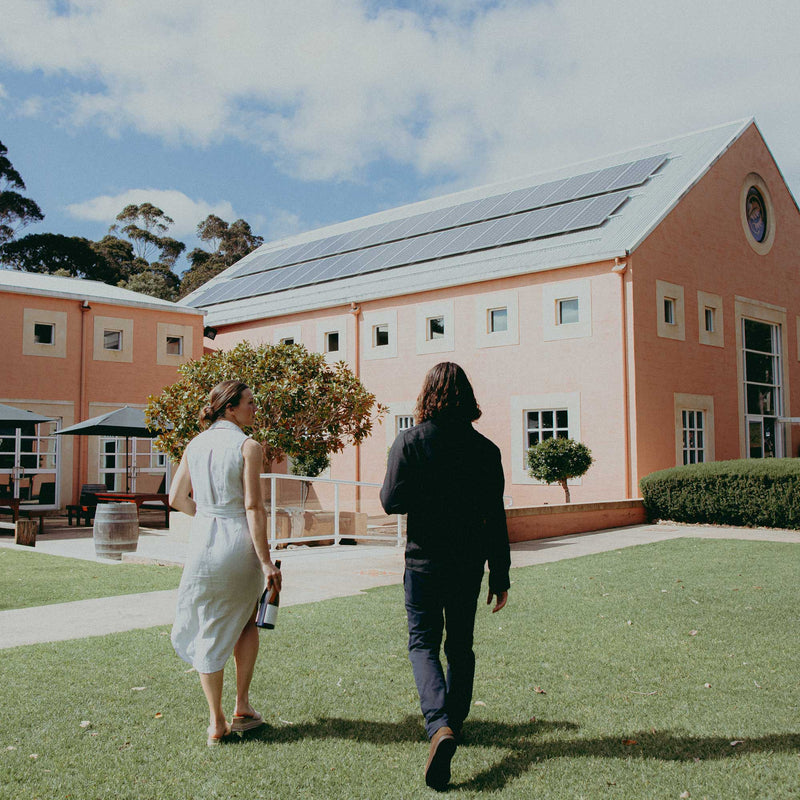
(449,480)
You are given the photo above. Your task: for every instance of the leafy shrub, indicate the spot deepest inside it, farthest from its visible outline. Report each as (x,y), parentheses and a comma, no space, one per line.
(556,460)
(746,492)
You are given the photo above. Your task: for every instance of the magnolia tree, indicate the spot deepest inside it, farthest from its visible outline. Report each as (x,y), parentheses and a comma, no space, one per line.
(306,408)
(557,460)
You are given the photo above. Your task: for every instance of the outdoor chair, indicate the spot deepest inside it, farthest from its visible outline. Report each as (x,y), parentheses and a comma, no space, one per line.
(87,504)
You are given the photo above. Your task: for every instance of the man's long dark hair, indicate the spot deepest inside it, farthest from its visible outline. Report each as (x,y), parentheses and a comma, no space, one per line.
(447,395)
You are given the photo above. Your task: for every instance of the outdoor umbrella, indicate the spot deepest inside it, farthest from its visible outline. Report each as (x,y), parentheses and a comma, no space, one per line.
(125,421)
(11,417)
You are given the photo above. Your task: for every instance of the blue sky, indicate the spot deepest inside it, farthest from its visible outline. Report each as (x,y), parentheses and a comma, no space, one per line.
(297,114)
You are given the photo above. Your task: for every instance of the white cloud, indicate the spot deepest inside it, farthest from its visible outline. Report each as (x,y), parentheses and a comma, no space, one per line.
(482,90)
(186,212)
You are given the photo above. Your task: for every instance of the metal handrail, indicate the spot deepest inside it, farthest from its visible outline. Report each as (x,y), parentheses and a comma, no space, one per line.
(273,530)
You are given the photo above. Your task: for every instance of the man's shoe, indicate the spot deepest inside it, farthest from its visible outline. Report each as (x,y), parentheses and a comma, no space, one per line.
(437,768)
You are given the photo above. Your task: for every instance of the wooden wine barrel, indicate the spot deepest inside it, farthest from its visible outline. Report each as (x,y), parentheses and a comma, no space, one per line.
(116,529)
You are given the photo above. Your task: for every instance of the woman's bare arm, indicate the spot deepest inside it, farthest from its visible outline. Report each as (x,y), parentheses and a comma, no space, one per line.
(180,491)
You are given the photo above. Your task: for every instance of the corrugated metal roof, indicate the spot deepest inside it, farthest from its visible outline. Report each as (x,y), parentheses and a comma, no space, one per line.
(20,282)
(689,157)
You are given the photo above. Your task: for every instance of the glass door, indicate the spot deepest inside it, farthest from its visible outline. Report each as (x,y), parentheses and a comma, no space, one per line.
(29,457)
(148,469)
(763,388)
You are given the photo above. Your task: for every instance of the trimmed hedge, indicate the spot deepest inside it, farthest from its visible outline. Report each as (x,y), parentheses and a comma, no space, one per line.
(745,492)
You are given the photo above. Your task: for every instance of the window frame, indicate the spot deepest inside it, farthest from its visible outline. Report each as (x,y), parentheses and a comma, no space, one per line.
(51,326)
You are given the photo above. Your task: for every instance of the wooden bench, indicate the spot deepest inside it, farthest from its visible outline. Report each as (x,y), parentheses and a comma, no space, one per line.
(86,505)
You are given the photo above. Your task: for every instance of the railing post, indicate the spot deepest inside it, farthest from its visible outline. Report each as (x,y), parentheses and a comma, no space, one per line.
(336,513)
(399,531)
(273,529)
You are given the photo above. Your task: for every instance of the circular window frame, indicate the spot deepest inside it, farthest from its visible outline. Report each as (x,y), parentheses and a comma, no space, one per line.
(755,181)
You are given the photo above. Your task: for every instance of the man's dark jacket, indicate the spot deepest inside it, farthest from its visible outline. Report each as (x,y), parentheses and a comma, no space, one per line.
(449,480)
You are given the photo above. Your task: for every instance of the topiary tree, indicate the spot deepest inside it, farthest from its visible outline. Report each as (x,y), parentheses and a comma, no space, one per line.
(557,460)
(307,409)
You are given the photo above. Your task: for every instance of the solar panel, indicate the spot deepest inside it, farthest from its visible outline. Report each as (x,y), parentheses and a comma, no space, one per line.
(549,209)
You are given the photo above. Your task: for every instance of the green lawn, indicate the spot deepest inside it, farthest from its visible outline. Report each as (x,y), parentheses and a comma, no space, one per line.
(36,579)
(591,684)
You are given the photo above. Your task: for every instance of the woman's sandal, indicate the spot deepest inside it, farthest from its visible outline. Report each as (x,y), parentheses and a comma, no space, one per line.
(246,722)
(215,741)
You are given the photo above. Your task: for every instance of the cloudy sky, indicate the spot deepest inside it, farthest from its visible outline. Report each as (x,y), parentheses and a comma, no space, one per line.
(298,113)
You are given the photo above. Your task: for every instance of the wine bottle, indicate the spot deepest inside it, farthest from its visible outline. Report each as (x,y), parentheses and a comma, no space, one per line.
(267,612)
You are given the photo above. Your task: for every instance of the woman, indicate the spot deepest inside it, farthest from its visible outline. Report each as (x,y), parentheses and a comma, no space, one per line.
(218,484)
(449,480)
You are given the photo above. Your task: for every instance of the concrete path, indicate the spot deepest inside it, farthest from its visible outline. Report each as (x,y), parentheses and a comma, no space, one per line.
(310,574)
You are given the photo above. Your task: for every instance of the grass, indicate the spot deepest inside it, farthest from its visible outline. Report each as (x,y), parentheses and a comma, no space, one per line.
(36,579)
(623,711)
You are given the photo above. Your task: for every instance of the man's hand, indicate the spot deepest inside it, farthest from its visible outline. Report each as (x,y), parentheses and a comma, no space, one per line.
(502,599)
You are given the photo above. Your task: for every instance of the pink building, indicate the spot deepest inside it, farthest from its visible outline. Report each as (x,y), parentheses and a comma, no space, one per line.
(73,349)
(645,303)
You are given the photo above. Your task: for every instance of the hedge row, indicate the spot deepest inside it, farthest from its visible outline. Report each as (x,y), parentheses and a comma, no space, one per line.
(744,492)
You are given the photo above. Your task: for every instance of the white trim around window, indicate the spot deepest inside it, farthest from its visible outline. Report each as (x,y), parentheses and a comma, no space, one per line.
(283,332)
(398,410)
(520,406)
(670,324)
(428,312)
(577,292)
(709,319)
(387,322)
(694,404)
(485,305)
(332,332)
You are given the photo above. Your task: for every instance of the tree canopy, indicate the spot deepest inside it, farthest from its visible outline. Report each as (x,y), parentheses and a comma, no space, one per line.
(556,460)
(51,253)
(229,243)
(306,408)
(16,210)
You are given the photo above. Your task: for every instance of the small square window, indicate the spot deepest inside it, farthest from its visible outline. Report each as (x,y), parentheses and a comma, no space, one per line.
(288,340)
(568,311)
(435,328)
(669,310)
(380,335)
(332,342)
(498,320)
(709,318)
(174,345)
(112,340)
(44,333)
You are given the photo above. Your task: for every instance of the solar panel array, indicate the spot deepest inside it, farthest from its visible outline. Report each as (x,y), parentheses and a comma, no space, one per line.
(549,209)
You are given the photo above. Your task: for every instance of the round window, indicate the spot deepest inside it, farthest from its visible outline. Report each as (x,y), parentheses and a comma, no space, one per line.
(756,214)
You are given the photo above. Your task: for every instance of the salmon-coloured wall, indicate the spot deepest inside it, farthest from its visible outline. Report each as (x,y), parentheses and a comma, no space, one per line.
(701,245)
(591,366)
(52,385)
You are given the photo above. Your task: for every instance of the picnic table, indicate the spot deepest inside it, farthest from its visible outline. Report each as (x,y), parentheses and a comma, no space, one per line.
(13,504)
(136,497)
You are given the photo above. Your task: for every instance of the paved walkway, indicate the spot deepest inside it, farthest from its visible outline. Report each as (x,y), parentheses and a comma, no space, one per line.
(310,574)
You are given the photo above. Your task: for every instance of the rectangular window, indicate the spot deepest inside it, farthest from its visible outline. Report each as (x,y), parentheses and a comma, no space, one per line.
(174,345)
(546,424)
(709,319)
(380,335)
(435,328)
(332,342)
(694,436)
(112,340)
(288,340)
(568,311)
(498,320)
(669,310)
(763,387)
(44,333)
(404,422)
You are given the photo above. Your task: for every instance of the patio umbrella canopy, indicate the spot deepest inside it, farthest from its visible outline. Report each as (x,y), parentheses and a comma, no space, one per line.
(125,421)
(11,417)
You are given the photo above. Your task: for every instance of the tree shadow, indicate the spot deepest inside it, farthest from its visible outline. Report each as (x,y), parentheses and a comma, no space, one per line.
(524,747)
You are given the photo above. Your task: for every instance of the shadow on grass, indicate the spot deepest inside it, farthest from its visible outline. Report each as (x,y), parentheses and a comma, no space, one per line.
(523,748)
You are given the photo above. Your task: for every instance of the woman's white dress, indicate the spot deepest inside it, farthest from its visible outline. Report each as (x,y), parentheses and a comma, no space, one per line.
(222,579)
